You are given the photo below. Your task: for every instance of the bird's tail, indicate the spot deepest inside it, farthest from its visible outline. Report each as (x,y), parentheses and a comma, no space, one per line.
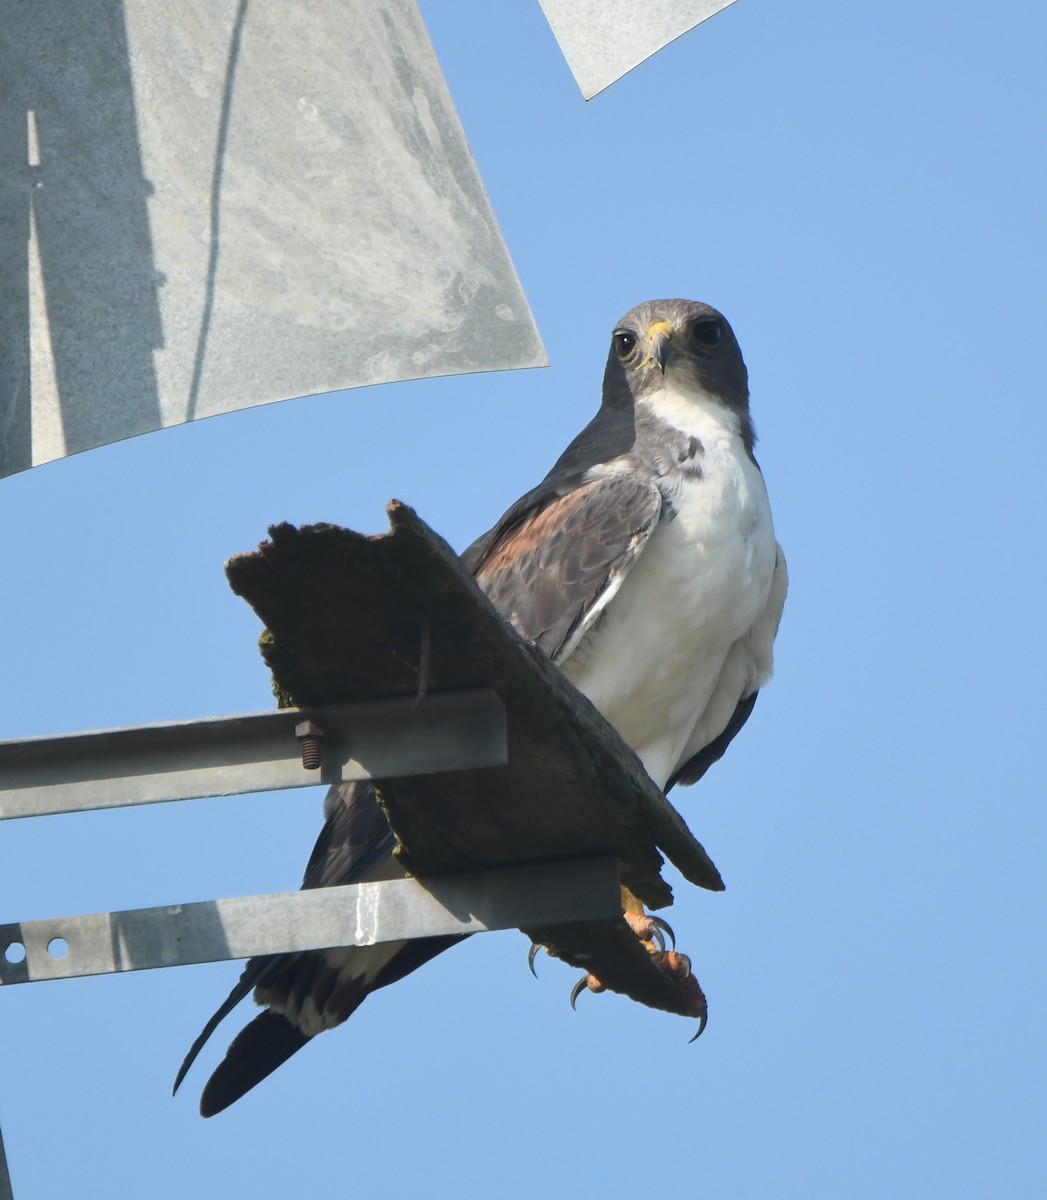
(255,971)
(272,1037)
(256,1051)
(309,991)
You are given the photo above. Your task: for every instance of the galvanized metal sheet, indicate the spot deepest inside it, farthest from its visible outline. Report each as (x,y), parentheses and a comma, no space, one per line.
(602,40)
(353,915)
(253,752)
(222,203)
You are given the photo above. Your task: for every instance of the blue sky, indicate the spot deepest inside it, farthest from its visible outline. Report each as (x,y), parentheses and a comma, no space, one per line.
(861,189)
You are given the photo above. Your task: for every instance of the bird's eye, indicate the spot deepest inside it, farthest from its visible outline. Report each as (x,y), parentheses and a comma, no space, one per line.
(624,344)
(707,334)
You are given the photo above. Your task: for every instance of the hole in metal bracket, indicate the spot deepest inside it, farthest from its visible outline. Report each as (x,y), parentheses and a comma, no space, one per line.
(58,947)
(14,952)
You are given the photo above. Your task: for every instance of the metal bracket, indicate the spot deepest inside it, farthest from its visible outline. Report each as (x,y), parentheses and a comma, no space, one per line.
(253,752)
(353,915)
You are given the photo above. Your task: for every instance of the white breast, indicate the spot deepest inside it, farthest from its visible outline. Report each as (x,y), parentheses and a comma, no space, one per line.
(653,663)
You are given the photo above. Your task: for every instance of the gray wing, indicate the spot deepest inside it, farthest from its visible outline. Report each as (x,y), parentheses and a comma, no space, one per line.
(696,766)
(355,838)
(355,844)
(552,568)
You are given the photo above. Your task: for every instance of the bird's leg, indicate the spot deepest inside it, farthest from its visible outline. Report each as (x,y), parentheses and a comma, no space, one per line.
(652,932)
(648,929)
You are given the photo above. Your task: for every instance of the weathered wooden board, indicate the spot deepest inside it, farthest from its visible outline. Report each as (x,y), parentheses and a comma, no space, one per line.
(351,617)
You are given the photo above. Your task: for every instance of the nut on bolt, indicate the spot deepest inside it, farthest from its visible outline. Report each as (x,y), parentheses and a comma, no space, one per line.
(309,734)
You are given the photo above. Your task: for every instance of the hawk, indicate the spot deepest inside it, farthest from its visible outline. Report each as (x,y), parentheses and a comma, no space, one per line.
(645,565)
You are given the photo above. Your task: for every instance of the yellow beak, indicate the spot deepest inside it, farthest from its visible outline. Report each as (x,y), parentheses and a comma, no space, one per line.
(659,344)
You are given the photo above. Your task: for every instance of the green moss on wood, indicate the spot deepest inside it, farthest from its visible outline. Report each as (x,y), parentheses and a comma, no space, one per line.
(267,647)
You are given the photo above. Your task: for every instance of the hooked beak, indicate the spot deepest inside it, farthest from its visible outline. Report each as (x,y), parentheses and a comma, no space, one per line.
(659,344)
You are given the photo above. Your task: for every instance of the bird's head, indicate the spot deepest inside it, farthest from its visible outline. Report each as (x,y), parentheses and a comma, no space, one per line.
(679,343)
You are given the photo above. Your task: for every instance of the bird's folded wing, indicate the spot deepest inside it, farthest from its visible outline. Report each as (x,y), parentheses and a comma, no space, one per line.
(552,569)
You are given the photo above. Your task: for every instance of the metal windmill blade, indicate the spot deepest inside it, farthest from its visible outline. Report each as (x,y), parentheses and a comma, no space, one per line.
(224,205)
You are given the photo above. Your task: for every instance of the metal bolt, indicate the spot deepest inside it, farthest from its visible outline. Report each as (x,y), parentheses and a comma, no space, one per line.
(309,734)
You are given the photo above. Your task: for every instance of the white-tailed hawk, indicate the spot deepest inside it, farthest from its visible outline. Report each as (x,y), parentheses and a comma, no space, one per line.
(645,565)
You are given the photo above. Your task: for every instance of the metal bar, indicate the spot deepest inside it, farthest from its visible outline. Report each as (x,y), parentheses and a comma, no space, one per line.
(254,752)
(5,1178)
(353,915)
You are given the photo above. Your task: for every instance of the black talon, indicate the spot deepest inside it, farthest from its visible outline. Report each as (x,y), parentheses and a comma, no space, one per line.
(578,988)
(666,928)
(532,954)
(702,1021)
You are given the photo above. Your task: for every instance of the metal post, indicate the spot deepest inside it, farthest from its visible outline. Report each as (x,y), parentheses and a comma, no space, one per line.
(5,1177)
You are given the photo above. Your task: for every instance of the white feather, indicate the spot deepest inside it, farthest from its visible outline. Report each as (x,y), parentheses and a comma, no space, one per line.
(662,663)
